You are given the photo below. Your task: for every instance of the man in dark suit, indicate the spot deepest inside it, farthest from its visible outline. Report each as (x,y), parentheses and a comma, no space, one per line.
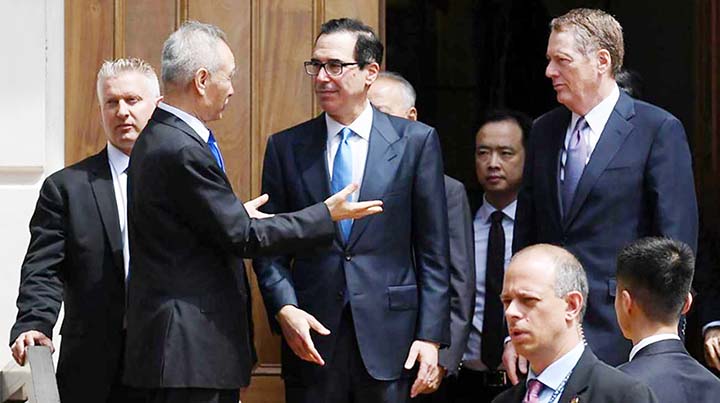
(189,325)
(544,294)
(378,299)
(654,276)
(391,93)
(78,248)
(601,170)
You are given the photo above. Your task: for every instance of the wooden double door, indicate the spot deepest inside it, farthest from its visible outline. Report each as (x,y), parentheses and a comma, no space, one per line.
(270,40)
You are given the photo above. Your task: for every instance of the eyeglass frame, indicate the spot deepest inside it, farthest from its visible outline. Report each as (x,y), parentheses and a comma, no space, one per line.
(323,66)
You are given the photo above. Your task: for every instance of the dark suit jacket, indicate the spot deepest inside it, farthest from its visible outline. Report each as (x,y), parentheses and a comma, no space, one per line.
(189,322)
(638,182)
(75,256)
(591,381)
(672,374)
(394,265)
(462,273)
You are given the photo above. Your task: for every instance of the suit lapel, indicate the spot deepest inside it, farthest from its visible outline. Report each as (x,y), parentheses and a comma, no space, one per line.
(579,380)
(310,155)
(383,159)
(613,136)
(104,193)
(559,129)
(165,117)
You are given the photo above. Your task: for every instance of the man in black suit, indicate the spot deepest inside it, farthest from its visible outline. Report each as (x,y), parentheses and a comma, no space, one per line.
(654,276)
(544,294)
(378,298)
(189,326)
(78,248)
(391,93)
(602,170)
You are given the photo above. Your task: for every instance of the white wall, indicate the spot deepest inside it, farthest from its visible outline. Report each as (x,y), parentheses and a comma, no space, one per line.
(31,131)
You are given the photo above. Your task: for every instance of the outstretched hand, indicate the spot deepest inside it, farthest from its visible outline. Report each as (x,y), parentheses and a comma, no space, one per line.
(253,205)
(514,363)
(296,324)
(342,209)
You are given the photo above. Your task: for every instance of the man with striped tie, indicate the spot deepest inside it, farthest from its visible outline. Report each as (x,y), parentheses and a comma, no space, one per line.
(545,294)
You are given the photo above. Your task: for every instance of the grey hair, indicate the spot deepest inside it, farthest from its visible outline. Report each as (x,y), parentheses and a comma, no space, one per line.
(570,276)
(409,94)
(192,47)
(114,68)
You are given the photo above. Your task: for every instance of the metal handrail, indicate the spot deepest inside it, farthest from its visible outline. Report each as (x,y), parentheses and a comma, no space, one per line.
(33,382)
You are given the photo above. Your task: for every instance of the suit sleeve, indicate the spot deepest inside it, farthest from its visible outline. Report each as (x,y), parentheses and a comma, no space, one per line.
(462,275)
(273,273)
(213,210)
(430,244)
(41,289)
(525,226)
(670,184)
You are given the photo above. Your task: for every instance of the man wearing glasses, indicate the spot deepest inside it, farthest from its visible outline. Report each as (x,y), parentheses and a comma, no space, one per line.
(357,317)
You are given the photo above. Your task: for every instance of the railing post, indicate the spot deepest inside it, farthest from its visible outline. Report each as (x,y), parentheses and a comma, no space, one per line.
(34,382)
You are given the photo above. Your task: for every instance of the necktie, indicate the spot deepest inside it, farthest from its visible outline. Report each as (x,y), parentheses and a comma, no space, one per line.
(342,174)
(576,158)
(492,328)
(126,242)
(216,151)
(533,391)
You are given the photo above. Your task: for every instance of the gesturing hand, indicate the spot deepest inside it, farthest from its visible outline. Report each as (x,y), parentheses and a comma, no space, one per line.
(29,338)
(426,353)
(296,324)
(253,205)
(712,347)
(342,209)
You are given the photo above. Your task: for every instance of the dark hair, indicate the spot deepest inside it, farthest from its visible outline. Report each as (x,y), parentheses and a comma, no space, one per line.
(631,82)
(501,115)
(368,47)
(658,273)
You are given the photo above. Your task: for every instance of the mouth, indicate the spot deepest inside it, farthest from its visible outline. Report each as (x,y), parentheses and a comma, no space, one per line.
(494,178)
(125,127)
(517,333)
(558,86)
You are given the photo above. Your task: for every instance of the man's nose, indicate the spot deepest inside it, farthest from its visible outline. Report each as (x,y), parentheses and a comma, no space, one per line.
(322,75)
(550,70)
(123,108)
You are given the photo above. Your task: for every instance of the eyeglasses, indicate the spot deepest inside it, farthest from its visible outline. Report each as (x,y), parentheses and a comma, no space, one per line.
(333,68)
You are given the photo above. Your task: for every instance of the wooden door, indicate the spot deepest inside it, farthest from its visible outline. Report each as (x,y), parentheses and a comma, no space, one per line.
(270,40)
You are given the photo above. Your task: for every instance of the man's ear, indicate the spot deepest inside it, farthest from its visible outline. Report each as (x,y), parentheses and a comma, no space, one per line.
(626,301)
(688,303)
(373,69)
(574,307)
(158,100)
(604,61)
(412,113)
(201,80)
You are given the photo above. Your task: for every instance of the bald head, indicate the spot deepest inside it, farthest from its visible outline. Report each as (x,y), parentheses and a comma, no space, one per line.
(393,94)
(544,293)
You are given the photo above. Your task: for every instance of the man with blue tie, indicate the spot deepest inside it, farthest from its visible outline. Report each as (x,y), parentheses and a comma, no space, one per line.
(189,330)
(355,318)
(654,280)
(602,170)
(544,294)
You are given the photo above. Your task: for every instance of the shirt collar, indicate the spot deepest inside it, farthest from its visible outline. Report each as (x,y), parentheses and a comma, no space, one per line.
(487,209)
(192,121)
(650,340)
(117,158)
(599,115)
(554,375)
(361,126)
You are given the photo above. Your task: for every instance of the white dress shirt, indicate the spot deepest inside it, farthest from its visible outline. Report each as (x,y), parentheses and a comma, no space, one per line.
(597,118)
(118,162)
(554,376)
(650,340)
(481,228)
(361,126)
(194,123)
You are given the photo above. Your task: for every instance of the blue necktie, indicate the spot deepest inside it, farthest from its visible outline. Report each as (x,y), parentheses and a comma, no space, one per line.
(342,174)
(216,151)
(575,160)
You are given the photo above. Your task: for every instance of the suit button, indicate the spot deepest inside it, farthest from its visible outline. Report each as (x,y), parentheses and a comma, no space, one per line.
(340,295)
(348,258)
